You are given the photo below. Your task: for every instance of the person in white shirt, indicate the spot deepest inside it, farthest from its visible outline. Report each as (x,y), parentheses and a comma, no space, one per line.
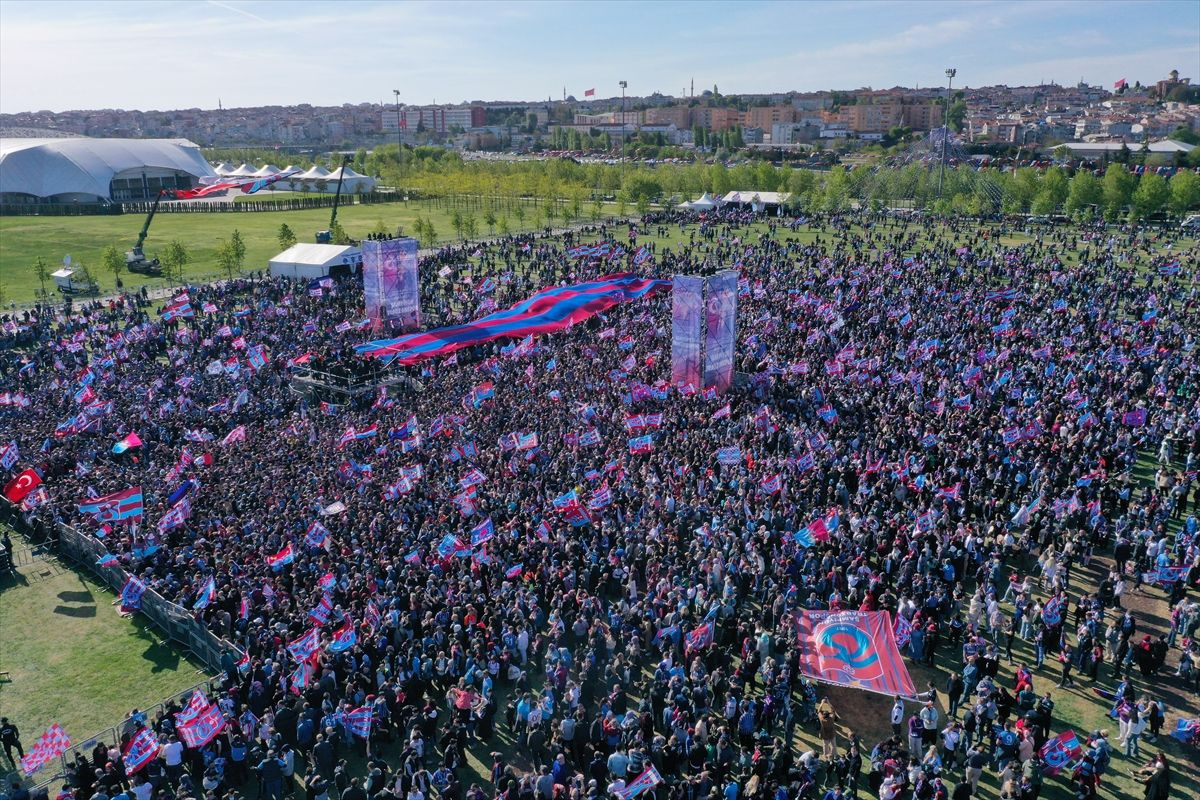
(172,755)
(897,716)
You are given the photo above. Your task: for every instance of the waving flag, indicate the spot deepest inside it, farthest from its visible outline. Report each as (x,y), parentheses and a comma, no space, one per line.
(281,559)
(903,631)
(699,638)
(642,783)
(514,572)
(9,455)
(140,750)
(49,746)
(303,647)
(359,722)
(317,535)
(204,728)
(207,594)
(19,487)
(114,507)
(482,533)
(128,442)
(1057,753)
(238,434)
(1052,611)
(343,638)
(1135,418)
(852,648)
(131,594)
(548,311)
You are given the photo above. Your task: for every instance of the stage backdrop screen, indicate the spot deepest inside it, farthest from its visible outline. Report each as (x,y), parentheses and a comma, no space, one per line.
(720,335)
(687,329)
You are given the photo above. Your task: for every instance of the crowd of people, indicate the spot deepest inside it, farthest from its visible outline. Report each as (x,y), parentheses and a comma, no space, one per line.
(968,418)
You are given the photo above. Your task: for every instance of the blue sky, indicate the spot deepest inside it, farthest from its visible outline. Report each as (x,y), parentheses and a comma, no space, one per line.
(163,55)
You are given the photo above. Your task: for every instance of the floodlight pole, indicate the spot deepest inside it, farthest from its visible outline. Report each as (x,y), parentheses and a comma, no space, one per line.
(624,84)
(950,73)
(399,138)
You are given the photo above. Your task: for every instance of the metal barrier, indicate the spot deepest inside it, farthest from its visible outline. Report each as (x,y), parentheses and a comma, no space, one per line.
(175,623)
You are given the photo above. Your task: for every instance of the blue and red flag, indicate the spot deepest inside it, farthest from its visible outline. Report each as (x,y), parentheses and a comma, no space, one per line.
(281,559)
(303,647)
(344,638)
(642,783)
(1058,752)
(140,750)
(359,721)
(483,532)
(547,311)
(1052,611)
(852,648)
(114,507)
(208,593)
(699,638)
(204,728)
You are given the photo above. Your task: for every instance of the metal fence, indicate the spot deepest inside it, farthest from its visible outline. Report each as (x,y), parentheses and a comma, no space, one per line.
(175,623)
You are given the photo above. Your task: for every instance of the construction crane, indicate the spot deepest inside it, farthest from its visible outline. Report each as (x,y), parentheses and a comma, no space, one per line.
(326,237)
(135,259)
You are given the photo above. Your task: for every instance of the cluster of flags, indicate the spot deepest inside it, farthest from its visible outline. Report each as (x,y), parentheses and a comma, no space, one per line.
(199,722)
(49,746)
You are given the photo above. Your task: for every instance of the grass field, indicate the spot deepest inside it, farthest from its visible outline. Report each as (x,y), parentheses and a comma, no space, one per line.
(66,656)
(24,239)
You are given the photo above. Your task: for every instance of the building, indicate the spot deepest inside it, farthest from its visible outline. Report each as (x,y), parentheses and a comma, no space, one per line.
(432,119)
(679,116)
(80,170)
(794,133)
(767,116)
(882,117)
(716,119)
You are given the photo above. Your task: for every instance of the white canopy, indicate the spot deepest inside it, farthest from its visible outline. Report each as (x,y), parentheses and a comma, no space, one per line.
(244,171)
(704,203)
(224,168)
(313,173)
(309,261)
(267,171)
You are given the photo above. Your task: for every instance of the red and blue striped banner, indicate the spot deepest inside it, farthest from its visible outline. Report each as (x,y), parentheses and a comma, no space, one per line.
(548,311)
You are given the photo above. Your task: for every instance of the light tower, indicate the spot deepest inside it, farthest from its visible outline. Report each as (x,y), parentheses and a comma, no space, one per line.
(950,73)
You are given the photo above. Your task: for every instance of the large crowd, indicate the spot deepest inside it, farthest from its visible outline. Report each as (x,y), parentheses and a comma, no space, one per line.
(971,420)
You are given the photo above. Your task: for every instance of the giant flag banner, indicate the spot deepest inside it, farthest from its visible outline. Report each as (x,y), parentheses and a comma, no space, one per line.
(642,783)
(853,648)
(140,750)
(687,329)
(391,287)
(547,311)
(204,728)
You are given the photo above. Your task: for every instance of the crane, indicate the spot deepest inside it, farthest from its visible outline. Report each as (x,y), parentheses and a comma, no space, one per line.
(326,237)
(135,259)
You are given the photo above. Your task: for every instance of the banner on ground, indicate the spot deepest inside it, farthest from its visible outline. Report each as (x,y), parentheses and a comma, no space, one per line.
(853,648)
(547,311)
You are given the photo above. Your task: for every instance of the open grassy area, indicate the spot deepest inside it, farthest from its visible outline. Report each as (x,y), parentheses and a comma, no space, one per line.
(67,656)
(24,239)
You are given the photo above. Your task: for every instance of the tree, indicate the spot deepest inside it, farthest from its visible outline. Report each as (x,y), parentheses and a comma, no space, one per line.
(112,261)
(1185,192)
(504,229)
(430,234)
(338,234)
(285,237)
(1084,194)
(174,258)
(489,219)
(519,213)
(226,258)
(1118,187)
(1150,197)
(470,226)
(42,271)
(239,247)
(956,115)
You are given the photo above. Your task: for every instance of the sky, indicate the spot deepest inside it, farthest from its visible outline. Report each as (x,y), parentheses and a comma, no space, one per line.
(158,55)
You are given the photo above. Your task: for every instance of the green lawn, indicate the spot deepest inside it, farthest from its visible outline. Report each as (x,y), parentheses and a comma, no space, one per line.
(24,239)
(67,656)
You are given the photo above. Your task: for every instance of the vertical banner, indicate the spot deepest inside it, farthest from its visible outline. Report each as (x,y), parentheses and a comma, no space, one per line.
(720,338)
(391,287)
(687,329)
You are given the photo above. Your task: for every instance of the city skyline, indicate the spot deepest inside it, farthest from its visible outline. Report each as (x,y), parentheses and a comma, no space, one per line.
(168,55)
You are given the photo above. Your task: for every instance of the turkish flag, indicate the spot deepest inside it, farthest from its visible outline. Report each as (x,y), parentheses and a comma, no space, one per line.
(22,485)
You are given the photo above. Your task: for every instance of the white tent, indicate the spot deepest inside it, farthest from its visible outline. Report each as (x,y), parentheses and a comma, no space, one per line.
(315,172)
(244,171)
(224,168)
(311,261)
(291,168)
(352,183)
(267,171)
(704,203)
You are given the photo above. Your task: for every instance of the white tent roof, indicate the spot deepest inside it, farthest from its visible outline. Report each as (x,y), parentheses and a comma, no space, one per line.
(267,171)
(224,168)
(244,171)
(315,171)
(322,255)
(291,168)
(767,198)
(49,167)
(349,174)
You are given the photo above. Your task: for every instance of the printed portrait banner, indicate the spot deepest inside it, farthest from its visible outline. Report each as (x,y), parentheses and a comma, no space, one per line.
(720,330)
(391,289)
(853,648)
(687,329)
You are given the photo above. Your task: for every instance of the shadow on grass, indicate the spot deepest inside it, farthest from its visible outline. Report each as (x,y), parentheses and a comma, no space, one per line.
(77,597)
(163,657)
(12,578)
(79,612)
